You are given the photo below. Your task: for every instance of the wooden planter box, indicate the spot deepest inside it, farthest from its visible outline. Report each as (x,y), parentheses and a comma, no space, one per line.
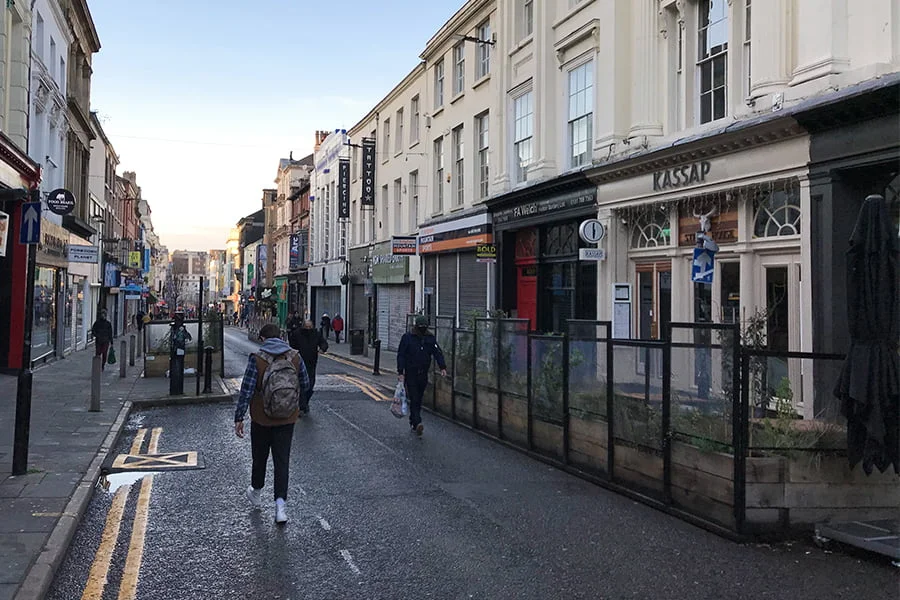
(156,365)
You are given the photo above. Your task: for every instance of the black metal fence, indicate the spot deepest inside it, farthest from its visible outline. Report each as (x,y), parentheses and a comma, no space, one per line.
(672,422)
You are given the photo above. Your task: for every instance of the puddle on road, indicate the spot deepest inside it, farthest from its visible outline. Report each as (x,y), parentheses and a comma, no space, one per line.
(114,481)
(136,420)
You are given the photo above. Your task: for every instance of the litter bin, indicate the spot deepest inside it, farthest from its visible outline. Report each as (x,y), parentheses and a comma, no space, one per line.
(357,341)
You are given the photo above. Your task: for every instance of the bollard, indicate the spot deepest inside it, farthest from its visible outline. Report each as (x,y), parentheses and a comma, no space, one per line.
(131,350)
(96,368)
(140,343)
(377,357)
(124,348)
(207,370)
(176,375)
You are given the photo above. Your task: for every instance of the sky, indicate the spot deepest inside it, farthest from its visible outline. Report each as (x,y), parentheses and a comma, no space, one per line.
(202,97)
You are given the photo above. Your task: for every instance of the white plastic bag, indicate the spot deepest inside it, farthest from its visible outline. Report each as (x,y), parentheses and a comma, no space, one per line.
(399,406)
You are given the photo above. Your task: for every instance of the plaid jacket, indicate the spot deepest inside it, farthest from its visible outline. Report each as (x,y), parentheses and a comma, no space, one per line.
(248,386)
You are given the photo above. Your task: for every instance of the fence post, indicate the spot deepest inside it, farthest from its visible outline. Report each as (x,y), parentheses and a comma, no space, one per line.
(565,397)
(95,383)
(475,374)
(122,354)
(610,406)
(498,331)
(375,370)
(530,433)
(131,349)
(453,371)
(207,371)
(666,412)
(222,347)
(740,435)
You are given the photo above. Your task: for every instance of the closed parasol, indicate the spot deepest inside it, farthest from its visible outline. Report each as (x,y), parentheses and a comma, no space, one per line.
(869,386)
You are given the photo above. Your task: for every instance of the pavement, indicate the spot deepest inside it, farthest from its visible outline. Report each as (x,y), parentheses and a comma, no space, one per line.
(39,511)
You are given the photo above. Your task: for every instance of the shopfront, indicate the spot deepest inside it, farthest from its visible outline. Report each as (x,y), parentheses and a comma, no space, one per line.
(394,294)
(281,300)
(52,329)
(542,277)
(326,291)
(751,192)
(362,291)
(456,282)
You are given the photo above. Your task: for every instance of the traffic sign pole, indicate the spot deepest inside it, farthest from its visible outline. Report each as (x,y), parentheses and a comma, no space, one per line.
(26,375)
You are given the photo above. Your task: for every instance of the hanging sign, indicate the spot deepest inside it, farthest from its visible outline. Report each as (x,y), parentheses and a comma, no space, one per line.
(368,172)
(4,232)
(294,262)
(84,254)
(61,202)
(591,231)
(703,266)
(134,259)
(344,188)
(405,246)
(486,253)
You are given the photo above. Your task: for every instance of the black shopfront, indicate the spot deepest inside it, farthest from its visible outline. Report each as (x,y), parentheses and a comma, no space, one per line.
(540,276)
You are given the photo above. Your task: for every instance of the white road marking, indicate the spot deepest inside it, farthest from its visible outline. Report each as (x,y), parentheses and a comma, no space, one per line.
(301,490)
(362,431)
(348,558)
(325,524)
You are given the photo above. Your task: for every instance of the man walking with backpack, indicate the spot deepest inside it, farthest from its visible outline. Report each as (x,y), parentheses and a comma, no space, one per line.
(274,382)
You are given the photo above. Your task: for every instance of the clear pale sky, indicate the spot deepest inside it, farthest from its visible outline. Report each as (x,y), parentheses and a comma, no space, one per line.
(202,97)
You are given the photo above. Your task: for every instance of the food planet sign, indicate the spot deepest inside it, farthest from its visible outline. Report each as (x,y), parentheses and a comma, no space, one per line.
(684,175)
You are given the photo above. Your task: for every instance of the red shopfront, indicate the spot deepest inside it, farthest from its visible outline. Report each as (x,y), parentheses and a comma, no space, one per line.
(17,171)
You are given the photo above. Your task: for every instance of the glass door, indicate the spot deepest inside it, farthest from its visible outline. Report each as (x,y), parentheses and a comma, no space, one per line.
(654,305)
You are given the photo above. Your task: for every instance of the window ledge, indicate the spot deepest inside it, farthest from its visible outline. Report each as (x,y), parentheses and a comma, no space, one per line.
(457,208)
(455,98)
(413,144)
(484,79)
(398,153)
(522,43)
(437,111)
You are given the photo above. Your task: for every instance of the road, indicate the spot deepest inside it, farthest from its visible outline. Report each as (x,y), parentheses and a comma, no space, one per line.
(377,513)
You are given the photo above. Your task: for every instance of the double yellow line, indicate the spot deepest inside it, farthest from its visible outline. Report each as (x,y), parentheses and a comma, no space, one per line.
(97,577)
(366,388)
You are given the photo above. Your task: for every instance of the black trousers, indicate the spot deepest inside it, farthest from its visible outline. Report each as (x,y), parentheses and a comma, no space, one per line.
(415,391)
(278,440)
(304,399)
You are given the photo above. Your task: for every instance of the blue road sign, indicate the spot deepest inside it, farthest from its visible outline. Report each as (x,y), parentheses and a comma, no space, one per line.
(703,266)
(30,230)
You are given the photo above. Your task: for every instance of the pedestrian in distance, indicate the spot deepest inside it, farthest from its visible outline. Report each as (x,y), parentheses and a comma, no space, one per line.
(308,341)
(103,337)
(414,355)
(139,320)
(274,382)
(293,321)
(338,325)
(325,324)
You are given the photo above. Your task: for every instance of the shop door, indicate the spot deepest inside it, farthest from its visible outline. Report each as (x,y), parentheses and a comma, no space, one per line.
(527,276)
(654,307)
(778,298)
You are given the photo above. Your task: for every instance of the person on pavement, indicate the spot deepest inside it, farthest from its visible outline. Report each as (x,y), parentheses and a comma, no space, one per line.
(308,341)
(293,322)
(268,433)
(139,320)
(338,325)
(325,324)
(414,356)
(103,336)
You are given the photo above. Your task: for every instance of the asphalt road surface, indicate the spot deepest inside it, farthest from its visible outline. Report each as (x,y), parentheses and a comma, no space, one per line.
(377,513)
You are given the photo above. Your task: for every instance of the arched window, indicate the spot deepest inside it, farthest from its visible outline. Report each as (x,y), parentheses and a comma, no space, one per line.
(777,212)
(651,228)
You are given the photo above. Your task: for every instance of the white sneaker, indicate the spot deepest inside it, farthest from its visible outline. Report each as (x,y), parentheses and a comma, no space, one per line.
(280,513)
(255,497)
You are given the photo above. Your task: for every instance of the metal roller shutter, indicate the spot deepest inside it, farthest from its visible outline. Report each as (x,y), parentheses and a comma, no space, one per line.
(359,304)
(328,300)
(446,285)
(472,286)
(393,307)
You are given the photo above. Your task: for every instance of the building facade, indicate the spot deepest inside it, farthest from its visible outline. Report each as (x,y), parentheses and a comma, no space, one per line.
(764,124)
(285,241)
(17,172)
(187,269)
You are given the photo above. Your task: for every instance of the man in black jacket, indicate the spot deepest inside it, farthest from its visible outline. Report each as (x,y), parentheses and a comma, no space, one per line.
(413,363)
(308,341)
(103,336)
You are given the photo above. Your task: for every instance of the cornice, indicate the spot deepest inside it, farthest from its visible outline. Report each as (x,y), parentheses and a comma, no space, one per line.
(702,148)
(458,21)
(20,161)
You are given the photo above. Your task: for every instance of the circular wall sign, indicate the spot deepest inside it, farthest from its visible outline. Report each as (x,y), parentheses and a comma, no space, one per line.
(61,201)
(592,231)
